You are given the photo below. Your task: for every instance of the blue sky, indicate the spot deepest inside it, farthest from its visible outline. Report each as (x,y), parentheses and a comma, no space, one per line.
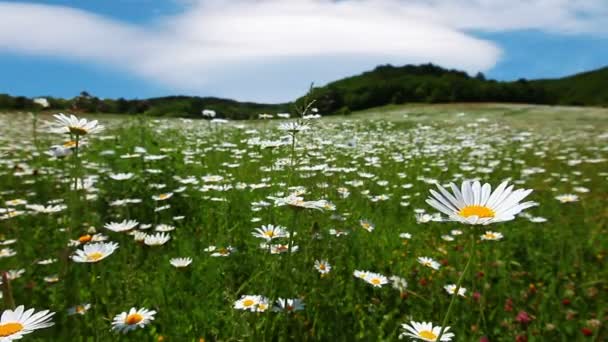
(270,50)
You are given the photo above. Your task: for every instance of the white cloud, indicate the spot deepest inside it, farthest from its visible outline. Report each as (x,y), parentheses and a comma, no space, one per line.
(215,43)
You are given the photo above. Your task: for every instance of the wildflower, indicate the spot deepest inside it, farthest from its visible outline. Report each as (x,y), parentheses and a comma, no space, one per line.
(121,176)
(288,305)
(73,125)
(121,226)
(367,225)
(157,239)
(94,252)
(567,198)
(180,262)
(251,303)
(15,324)
(477,204)
(375,279)
(135,318)
(80,309)
(428,262)
(451,289)
(492,236)
(425,331)
(322,266)
(399,283)
(270,232)
(162,197)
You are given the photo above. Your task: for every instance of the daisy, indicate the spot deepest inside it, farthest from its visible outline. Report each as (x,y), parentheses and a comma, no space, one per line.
(293,127)
(157,239)
(493,236)
(162,197)
(477,204)
(180,262)
(288,305)
(121,226)
(360,274)
(220,252)
(270,232)
(425,332)
(322,266)
(15,324)
(46,210)
(251,303)
(337,232)
(121,176)
(375,279)
(399,283)
(73,125)
(135,318)
(94,252)
(451,289)
(365,224)
(567,198)
(80,309)
(428,262)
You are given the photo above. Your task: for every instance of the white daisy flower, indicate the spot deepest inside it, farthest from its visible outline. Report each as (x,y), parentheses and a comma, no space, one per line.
(15,324)
(157,239)
(180,262)
(121,226)
(477,204)
(270,232)
(493,236)
(135,318)
(451,289)
(76,126)
(288,305)
(322,266)
(428,262)
(94,252)
(425,331)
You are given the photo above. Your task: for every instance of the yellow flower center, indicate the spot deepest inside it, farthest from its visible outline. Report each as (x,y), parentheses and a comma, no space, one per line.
(80,309)
(476,210)
(134,319)
(375,281)
(322,267)
(163,196)
(95,256)
(248,302)
(78,130)
(490,236)
(85,238)
(269,233)
(9,329)
(69,144)
(427,334)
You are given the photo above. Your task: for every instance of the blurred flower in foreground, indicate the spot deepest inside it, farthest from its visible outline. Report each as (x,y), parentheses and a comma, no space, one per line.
(425,332)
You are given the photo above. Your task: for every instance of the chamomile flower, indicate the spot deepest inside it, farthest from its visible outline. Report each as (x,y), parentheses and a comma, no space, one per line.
(428,262)
(157,239)
(94,252)
(367,225)
(492,236)
(133,319)
(121,226)
(567,198)
(451,289)
(121,176)
(15,324)
(180,262)
(80,309)
(250,302)
(270,232)
(162,197)
(322,266)
(288,305)
(477,204)
(73,125)
(425,331)
(375,279)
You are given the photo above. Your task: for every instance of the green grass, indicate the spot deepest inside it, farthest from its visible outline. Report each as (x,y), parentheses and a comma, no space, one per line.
(535,268)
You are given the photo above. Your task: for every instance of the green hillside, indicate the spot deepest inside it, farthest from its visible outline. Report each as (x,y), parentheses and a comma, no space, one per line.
(432,84)
(382,86)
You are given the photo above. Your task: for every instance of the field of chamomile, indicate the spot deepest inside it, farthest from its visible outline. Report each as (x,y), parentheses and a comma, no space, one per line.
(422,223)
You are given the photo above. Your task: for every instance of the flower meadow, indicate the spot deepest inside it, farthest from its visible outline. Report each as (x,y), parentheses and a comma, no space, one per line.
(466,228)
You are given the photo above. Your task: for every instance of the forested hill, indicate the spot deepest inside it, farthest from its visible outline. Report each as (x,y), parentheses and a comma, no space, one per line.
(429,83)
(384,85)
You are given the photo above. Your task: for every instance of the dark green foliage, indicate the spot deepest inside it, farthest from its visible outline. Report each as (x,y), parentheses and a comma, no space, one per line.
(386,84)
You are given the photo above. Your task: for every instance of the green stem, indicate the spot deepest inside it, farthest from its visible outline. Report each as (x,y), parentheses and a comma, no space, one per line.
(458,285)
